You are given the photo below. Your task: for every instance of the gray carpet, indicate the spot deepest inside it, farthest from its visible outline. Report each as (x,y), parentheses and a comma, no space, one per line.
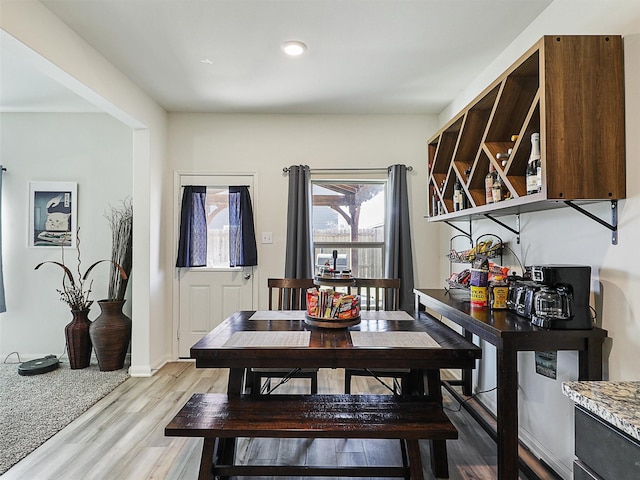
(34,408)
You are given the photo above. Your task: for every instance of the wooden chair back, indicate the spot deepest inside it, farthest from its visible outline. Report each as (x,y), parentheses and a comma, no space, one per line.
(378,293)
(291,292)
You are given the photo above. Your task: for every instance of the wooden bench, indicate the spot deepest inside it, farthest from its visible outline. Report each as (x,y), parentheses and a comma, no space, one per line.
(217,417)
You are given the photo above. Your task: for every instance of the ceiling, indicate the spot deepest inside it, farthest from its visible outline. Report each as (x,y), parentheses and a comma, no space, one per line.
(363,56)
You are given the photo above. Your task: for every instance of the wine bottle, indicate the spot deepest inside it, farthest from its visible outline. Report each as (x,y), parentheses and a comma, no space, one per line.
(434,204)
(457,196)
(488,183)
(534,168)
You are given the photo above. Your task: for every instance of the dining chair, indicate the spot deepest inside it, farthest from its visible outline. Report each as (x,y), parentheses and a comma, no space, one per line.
(287,294)
(378,294)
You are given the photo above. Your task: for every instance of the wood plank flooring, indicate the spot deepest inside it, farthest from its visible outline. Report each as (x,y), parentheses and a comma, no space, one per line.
(121,437)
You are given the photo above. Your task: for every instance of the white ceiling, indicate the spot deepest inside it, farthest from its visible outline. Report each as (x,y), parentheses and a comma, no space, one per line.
(364,56)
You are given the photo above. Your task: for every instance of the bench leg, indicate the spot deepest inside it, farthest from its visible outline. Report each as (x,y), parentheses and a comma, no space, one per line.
(439,464)
(415,463)
(206,461)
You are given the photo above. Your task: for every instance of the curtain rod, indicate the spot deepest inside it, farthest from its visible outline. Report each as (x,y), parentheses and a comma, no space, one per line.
(379,169)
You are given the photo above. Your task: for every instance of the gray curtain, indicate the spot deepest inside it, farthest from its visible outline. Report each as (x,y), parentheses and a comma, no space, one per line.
(3,303)
(192,245)
(299,255)
(242,237)
(399,258)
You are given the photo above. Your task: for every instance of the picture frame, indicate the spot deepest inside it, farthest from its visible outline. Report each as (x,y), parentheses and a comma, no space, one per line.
(53,219)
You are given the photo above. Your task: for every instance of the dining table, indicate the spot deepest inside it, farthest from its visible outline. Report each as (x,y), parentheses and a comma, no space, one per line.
(382,339)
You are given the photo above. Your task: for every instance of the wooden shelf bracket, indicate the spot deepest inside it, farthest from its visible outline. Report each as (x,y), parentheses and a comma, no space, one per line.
(613,226)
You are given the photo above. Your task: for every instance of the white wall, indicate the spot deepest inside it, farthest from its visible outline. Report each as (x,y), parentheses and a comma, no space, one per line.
(264,144)
(93,150)
(565,236)
(66,57)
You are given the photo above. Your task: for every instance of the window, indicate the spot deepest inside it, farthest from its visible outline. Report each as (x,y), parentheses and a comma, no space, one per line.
(217,210)
(349,216)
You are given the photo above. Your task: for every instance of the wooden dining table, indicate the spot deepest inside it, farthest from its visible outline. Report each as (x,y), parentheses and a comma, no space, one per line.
(382,339)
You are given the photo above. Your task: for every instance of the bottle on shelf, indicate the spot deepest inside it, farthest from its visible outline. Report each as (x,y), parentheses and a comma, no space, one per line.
(488,183)
(534,167)
(497,189)
(458,196)
(434,203)
(503,157)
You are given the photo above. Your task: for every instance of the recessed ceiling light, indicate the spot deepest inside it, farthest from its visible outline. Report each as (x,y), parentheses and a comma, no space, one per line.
(294,48)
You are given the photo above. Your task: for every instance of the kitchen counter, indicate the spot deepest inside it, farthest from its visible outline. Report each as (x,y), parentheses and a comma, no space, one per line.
(617,403)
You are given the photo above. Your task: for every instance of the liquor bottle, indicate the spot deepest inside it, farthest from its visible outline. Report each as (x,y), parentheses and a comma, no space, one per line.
(434,204)
(534,168)
(497,189)
(458,197)
(488,183)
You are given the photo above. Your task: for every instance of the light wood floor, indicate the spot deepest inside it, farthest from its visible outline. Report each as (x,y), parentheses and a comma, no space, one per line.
(121,437)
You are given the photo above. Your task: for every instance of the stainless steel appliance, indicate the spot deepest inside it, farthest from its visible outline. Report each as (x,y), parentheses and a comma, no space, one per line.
(562,301)
(554,296)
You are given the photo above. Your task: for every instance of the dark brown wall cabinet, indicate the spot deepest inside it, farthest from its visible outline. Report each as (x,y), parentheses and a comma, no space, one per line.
(570,89)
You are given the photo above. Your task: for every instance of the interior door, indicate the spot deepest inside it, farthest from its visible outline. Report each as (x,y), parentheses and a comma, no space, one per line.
(207,295)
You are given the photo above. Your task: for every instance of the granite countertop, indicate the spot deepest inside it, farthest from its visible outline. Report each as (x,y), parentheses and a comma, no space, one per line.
(617,403)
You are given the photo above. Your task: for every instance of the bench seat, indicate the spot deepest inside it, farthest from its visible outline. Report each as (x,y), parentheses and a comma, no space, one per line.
(220,416)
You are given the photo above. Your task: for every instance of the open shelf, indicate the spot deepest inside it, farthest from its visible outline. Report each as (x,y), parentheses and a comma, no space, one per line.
(557,90)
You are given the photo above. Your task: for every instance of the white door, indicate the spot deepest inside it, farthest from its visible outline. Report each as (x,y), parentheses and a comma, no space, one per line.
(209,295)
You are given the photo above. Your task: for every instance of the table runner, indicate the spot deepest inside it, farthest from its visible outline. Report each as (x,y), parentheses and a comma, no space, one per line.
(393,339)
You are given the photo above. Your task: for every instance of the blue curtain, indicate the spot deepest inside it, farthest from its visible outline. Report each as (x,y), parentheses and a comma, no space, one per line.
(3,303)
(192,246)
(299,259)
(242,237)
(399,258)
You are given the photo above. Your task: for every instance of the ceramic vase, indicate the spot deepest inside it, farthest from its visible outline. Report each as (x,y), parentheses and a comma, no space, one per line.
(78,339)
(111,335)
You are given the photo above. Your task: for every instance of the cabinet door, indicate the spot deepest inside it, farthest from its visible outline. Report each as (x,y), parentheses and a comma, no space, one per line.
(582,472)
(607,452)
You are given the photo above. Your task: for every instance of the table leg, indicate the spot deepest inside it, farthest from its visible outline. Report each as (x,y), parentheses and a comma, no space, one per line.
(590,360)
(438,448)
(236,377)
(415,383)
(507,411)
(467,374)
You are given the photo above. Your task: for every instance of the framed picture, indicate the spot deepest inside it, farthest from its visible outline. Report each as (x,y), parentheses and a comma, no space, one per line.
(53,208)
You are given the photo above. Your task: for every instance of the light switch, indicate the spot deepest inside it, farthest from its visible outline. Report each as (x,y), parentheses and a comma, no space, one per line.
(267,237)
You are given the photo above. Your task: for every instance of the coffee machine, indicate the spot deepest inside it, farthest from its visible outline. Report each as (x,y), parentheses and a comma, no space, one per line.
(562,301)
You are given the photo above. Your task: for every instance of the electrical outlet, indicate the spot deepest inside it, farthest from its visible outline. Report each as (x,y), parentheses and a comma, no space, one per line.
(267,237)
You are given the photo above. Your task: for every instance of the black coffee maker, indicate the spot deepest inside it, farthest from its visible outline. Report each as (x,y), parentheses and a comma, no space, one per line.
(562,302)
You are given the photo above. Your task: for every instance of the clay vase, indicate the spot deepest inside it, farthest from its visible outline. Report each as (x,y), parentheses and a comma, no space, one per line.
(78,340)
(111,335)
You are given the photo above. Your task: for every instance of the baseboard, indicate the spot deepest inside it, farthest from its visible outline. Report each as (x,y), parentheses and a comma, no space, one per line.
(544,455)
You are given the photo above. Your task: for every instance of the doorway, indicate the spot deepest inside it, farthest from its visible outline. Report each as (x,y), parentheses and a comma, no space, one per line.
(208,295)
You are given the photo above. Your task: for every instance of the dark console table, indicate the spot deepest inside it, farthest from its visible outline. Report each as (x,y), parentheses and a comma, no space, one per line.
(511,334)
